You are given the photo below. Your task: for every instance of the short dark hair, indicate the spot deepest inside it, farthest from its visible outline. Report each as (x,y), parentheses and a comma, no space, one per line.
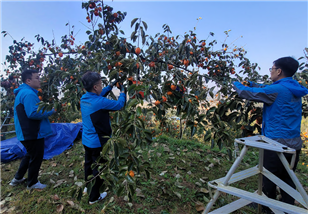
(89,79)
(289,65)
(27,74)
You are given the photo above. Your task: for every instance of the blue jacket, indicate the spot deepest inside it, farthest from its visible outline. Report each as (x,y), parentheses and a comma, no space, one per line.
(29,124)
(282,109)
(95,116)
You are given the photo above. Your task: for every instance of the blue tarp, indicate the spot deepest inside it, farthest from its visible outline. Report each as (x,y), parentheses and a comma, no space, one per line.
(62,138)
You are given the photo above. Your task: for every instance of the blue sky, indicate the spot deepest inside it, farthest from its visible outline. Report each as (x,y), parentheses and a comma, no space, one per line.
(270,29)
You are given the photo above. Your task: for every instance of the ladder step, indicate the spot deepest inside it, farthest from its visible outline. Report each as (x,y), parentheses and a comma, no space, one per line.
(239,175)
(275,204)
(7,125)
(8,132)
(231,207)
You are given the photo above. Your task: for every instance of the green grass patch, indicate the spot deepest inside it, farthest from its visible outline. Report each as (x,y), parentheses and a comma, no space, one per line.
(178,183)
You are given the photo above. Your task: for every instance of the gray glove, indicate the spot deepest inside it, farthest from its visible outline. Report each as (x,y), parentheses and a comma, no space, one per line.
(114,83)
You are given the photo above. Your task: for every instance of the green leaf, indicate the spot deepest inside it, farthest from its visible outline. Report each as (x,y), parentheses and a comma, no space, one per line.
(131,188)
(138,111)
(122,141)
(79,194)
(132,103)
(212,143)
(41,105)
(238,119)
(105,149)
(207,135)
(232,116)
(129,179)
(148,175)
(74,191)
(193,129)
(136,27)
(120,190)
(145,25)
(133,21)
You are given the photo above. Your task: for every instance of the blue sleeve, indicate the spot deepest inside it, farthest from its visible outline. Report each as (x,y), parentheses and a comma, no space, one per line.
(106,90)
(113,105)
(30,105)
(257,94)
(254,84)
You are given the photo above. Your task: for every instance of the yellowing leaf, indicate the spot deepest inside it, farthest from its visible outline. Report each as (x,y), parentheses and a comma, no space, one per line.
(204,190)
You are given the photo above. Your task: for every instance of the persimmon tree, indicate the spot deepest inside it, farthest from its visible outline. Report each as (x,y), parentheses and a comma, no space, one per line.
(175,72)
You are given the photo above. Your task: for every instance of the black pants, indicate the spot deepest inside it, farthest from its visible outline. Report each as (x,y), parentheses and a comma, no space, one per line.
(272,163)
(91,155)
(31,161)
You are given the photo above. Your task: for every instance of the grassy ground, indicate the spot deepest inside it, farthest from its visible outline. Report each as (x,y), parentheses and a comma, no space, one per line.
(178,184)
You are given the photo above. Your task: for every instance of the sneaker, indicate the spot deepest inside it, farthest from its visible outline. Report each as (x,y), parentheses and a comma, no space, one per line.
(85,190)
(101,197)
(38,185)
(15,182)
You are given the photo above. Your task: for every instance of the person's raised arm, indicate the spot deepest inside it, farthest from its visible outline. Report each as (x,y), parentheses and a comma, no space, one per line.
(257,94)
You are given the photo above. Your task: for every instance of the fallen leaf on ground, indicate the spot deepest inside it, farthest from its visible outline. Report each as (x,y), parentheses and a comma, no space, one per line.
(40,199)
(59,208)
(71,203)
(197,183)
(204,190)
(79,184)
(178,176)
(162,173)
(59,182)
(2,203)
(3,210)
(199,206)
(55,197)
(178,194)
(139,193)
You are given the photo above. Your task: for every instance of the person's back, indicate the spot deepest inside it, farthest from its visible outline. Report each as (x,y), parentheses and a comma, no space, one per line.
(282,119)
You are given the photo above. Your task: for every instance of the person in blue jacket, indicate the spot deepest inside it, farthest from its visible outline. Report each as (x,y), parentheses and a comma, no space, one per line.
(96,131)
(281,118)
(31,128)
